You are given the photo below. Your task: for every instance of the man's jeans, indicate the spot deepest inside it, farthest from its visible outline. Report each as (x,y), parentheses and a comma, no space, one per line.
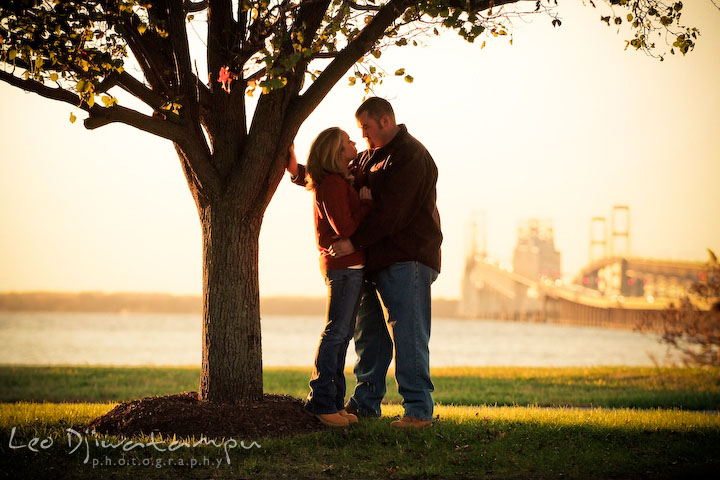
(404,289)
(327,386)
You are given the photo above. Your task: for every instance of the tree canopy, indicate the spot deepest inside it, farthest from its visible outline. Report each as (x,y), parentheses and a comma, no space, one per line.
(76,50)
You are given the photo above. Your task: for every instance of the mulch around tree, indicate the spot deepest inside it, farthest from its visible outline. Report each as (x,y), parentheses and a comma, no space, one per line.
(185,415)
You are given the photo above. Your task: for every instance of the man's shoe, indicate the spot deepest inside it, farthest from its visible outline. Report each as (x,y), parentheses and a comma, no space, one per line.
(351,417)
(411,422)
(352,410)
(333,419)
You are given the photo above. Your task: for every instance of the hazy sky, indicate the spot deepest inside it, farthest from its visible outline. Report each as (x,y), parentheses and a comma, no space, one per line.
(561,125)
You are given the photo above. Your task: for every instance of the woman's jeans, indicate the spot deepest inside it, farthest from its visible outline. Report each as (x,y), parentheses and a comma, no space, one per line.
(327,386)
(404,289)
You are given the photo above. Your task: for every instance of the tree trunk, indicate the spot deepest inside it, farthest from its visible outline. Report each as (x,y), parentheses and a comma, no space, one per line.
(231,349)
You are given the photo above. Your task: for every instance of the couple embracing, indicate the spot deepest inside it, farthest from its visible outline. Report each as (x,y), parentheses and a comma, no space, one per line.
(378,232)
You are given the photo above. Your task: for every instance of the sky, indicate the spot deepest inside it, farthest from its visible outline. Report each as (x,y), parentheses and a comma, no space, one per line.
(561,125)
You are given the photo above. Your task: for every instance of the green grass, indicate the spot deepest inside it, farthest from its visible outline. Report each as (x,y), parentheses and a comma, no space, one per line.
(611,387)
(465,442)
(497,423)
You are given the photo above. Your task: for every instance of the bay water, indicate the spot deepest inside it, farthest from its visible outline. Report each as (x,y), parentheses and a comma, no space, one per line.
(115,339)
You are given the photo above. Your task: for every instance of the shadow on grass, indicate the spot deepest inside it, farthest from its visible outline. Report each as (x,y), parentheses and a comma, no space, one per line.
(481,448)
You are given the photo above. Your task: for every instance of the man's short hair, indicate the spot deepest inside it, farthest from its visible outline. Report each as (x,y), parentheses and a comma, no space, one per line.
(376,107)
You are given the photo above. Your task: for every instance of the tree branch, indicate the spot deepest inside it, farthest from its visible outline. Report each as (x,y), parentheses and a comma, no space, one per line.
(194,7)
(358,47)
(345,59)
(59,94)
(182,61)
(197,154)
(134,87)
(101,116)
(365,8)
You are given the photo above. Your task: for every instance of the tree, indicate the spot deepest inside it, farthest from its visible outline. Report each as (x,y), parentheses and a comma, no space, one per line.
(275,58)
(692,327)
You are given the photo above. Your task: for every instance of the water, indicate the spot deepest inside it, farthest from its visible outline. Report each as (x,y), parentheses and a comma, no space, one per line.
(50,338)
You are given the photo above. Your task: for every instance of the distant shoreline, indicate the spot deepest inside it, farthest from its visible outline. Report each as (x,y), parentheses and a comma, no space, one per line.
(136,302)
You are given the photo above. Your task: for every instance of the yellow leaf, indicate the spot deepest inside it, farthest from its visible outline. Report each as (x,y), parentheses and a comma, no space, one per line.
(409,78)
(90,100)
(12,54)
(72,117)
(482,46)
(54,77)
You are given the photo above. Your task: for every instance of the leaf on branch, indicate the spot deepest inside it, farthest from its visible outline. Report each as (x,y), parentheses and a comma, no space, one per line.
(171,107)
(273,84)
(226,77)
(409,78)
(400,71)
(109,101)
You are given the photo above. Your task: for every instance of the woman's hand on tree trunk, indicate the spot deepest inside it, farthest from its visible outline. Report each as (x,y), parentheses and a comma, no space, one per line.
(292,165)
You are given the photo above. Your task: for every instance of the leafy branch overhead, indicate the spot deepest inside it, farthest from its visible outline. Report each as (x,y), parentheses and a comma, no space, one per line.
(76,51)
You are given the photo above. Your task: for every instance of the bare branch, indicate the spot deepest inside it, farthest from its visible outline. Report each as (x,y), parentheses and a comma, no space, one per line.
(256,76)
(100,116)
(149,62)
(59,94)
(324,55)
(364,8)
(134,87)
(181,59)
(193,7)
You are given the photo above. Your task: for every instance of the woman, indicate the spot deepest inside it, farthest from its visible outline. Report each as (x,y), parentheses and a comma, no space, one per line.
(338,210)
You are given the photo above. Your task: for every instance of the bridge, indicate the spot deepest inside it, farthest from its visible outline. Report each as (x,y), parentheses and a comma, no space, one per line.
(614,291)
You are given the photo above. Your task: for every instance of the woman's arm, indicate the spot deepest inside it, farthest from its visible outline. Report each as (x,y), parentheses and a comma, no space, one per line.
(333,196)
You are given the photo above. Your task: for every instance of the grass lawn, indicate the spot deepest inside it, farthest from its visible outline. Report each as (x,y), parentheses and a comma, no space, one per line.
(499,423)
(611,387)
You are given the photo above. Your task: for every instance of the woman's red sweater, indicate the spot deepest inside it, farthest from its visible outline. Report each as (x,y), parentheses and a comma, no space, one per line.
(338,212)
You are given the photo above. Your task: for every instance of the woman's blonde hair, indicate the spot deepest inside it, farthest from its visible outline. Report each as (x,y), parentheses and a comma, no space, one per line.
(325,157)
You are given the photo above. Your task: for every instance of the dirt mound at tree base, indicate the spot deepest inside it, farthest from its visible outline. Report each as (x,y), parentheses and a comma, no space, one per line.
(185,415)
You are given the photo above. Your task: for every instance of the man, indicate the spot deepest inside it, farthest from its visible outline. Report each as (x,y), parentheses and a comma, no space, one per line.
(402,237)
